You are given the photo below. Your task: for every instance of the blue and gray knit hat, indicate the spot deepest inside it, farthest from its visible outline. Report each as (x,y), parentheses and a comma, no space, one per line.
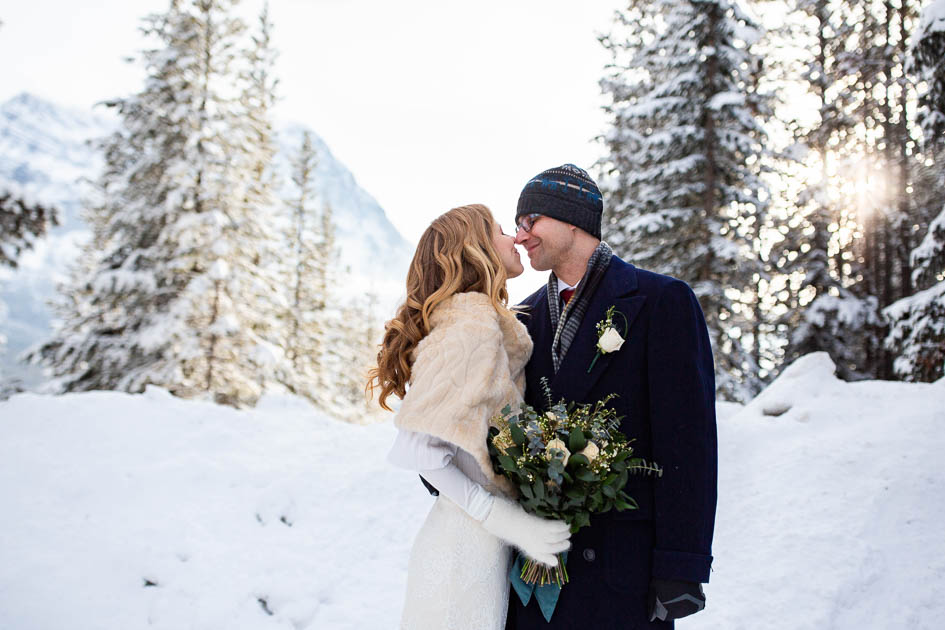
(566,193)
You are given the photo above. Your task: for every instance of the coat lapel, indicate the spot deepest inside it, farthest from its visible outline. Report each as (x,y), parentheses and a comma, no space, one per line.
(538,321)
(573,381)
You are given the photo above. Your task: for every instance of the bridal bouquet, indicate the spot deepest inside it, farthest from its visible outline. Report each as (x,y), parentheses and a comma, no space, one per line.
(568,462)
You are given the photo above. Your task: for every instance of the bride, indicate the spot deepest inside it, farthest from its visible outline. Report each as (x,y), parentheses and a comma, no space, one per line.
(463,353)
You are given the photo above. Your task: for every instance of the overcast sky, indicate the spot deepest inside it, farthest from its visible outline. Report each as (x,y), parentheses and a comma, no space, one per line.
(431,104)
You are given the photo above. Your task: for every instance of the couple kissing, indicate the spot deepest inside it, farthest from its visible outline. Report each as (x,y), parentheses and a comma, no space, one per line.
(457,354)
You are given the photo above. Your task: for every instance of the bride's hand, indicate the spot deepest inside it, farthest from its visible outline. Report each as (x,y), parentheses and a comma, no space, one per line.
(539,538)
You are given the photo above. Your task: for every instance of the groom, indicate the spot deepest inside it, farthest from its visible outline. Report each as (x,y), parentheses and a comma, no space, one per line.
(640,568)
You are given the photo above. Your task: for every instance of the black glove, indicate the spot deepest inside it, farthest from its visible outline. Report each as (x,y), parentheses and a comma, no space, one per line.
(670,599)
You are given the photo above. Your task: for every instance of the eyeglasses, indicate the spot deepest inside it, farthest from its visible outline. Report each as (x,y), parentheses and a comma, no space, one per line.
(527,222)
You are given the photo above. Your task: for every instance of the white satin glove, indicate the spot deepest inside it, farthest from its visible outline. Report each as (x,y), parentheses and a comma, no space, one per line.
(538,538)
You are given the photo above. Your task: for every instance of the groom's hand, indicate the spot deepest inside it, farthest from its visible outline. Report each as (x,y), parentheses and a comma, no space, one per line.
(670,599)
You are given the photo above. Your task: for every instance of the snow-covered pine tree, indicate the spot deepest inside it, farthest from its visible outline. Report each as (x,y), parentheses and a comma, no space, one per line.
(683,157)
(343,365)
(822,314)
(305,318)
(22,221)
(329,343)
(355,341)
(917,334)
(170,298)
(927,63)
(880,100)
(761,222)
(917,322)
(257,245)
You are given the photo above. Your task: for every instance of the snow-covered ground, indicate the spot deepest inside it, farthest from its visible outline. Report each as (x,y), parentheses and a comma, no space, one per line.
(144,511)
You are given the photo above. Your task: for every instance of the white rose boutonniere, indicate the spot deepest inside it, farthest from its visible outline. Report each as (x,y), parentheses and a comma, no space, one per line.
(608,338)
(610,341)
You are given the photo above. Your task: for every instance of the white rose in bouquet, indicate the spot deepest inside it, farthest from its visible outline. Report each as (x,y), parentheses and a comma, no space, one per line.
(559,445)
(591,451)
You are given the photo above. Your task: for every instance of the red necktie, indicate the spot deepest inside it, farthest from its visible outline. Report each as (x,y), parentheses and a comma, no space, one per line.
(566,295)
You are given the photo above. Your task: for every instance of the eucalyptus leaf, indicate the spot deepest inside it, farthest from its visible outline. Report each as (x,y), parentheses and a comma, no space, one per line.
(624,505)
(508,463)
(629,500)
(518,436)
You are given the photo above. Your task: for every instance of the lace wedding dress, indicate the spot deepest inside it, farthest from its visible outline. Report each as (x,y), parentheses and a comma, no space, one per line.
(457,578)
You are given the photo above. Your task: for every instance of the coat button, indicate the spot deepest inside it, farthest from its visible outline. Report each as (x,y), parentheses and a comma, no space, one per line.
(589,555)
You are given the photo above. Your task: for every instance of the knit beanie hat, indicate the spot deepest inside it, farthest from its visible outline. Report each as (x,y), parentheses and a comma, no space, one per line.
(566,193)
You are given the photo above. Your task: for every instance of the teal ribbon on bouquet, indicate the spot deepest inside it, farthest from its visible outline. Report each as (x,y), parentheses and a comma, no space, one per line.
(546,595)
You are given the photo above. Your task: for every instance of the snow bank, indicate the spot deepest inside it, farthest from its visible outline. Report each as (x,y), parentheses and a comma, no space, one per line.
(125,512)
(830,506)
(147,511)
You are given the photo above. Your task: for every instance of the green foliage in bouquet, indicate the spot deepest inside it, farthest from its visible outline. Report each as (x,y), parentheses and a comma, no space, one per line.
(568,462)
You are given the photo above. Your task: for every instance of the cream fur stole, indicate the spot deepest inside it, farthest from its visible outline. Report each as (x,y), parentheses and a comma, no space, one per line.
(470,365)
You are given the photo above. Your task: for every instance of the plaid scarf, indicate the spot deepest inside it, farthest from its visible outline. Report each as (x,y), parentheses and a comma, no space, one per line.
(566,323)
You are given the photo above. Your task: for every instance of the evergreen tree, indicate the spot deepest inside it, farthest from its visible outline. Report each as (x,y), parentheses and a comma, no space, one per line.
(330,344)
(171,293)
(342,365)
(355,340)
(847,247)
(21,222)
(880,98)
(822,313)
(257,242)
(917,322)
(927,63)
(310,238)
(684,154)
(917,334)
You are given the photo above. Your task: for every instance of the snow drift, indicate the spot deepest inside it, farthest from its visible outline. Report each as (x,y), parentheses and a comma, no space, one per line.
(146,511)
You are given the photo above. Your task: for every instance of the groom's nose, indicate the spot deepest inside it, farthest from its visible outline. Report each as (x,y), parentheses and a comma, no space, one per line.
(520,237)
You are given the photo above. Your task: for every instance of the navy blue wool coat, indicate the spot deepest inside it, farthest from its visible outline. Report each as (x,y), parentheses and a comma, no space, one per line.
(665,382)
